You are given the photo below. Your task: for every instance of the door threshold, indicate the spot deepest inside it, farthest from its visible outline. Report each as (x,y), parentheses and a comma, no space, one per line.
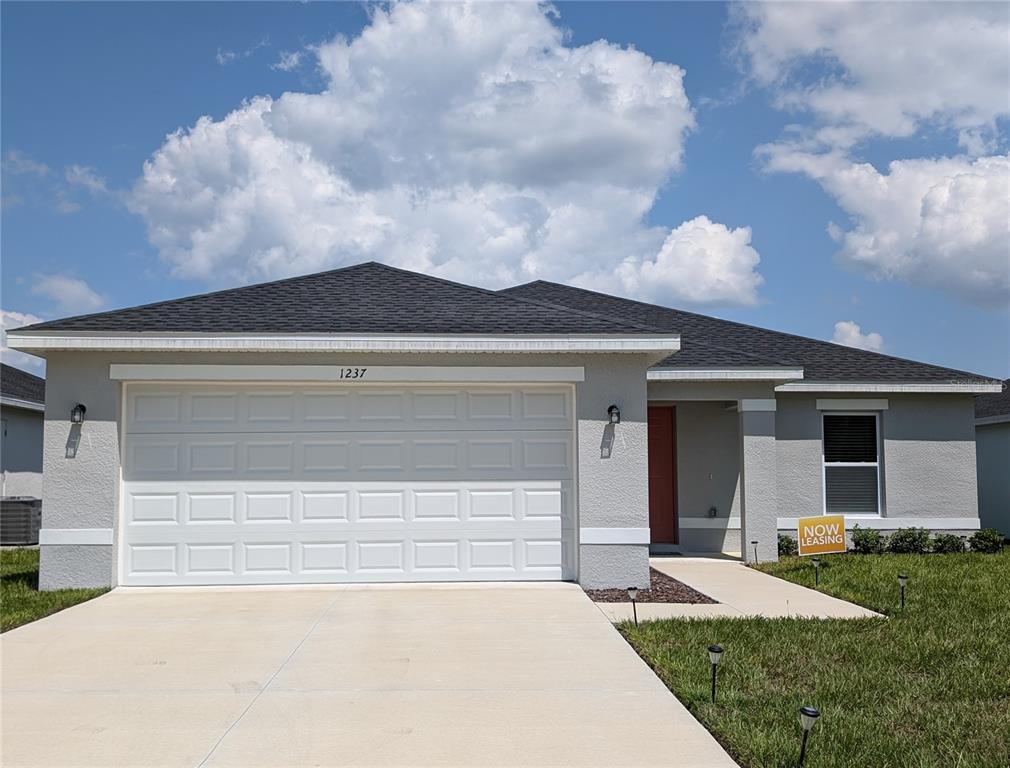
(665,549)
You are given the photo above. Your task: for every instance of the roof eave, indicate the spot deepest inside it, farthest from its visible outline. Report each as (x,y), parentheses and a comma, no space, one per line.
(41,341)
(726,373)
(894,387)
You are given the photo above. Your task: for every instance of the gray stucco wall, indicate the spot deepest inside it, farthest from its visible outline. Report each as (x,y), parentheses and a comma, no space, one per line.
(992,446)
(928,455)
(21,452)
(82,490)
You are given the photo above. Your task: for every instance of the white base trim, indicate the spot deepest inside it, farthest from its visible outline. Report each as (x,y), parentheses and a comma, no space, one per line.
(853,404)
(80,536)
(614,536)
(877,523)
(964,388)
(322,342)
(334,373)
(724,374)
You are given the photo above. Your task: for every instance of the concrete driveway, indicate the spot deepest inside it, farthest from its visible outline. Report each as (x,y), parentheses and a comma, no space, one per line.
(364,676)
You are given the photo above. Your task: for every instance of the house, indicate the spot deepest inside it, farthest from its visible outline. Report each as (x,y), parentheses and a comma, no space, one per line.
(22,402)
(373,424)
(992,444)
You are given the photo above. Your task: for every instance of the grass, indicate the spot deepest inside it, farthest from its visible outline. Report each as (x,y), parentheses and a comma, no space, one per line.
(20,599)
(928,687)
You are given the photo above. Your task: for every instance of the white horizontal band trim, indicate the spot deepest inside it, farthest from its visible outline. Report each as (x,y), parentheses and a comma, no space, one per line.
(17,402)
(888,523)
(334,373)
(854,404)
(964,388)
(614,536)
(877,523)
(724,374)
(710,522)
(757,405)
(86,536)
(986,420)
(151,342)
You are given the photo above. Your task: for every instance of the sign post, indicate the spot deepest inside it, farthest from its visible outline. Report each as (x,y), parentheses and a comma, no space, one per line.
(821,534)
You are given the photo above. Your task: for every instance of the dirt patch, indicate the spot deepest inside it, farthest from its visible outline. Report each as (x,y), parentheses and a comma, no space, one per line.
(662,589)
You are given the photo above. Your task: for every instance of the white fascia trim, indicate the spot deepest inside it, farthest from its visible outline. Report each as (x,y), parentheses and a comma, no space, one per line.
(614,536)
(76,536)
(852,404)
(335,373)
(883,387)
(986,420)
(725,374)
(877,523)
(149,342)
(16,402)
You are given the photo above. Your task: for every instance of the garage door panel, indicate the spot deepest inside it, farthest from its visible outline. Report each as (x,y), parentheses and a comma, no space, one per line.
(152,408)
(270,484)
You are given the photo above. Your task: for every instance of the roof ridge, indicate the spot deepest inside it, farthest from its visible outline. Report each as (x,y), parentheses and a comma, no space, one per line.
(881,355)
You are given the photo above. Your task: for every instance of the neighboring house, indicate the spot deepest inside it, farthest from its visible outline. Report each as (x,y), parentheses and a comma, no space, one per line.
(22,403)
(373,424)
(992,444)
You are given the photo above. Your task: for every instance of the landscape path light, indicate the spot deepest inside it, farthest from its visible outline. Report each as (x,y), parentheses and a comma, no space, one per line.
(754,544)
(633,596)
(817,569)
(714,654)
(808,716)
(902,581)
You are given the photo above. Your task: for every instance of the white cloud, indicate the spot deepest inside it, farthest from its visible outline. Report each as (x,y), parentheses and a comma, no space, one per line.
(224,56)
(288,61)
(72,294)
(85,176)
(891,67)
(9,321)
(700,262)
(467,141)
(850,334)
(940,222)
(18,162)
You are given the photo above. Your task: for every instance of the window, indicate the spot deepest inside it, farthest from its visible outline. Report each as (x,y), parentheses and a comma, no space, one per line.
(851,464)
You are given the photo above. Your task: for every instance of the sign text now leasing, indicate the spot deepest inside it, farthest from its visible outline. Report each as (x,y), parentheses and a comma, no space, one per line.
(822,534)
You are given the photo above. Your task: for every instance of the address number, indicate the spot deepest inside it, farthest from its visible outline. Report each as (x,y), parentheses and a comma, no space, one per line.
(352,373)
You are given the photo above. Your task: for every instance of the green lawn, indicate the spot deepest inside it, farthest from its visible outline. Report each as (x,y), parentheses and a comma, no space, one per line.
(929,686)
(20,599)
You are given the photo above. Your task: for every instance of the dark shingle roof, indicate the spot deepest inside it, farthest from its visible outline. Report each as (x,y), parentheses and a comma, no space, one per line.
(820,360)
(21,385)
(993,405)
(365,298)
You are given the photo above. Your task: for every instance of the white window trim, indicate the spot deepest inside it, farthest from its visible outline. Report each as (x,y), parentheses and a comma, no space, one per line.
(150,342)
(878,463)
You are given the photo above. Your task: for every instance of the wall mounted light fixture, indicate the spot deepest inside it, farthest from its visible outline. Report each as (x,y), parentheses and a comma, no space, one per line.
(614,413)
(77,414)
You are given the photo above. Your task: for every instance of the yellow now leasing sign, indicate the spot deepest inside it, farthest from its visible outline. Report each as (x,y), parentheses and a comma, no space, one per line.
(822,534)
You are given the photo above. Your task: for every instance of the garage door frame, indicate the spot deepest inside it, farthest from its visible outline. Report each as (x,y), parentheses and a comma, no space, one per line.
(457,378)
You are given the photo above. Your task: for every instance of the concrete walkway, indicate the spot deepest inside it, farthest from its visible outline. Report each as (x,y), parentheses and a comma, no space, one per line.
(739,590)
(416,675)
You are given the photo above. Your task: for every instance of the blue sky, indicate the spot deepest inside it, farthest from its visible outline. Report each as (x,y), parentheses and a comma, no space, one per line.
(776,175)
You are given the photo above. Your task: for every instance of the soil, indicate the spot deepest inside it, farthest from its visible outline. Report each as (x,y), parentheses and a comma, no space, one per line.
(662,589)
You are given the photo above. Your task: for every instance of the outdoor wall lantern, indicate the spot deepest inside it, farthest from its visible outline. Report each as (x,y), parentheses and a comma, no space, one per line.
(714,654)
(77,414)
(808,716)
(633,596)
(615,414)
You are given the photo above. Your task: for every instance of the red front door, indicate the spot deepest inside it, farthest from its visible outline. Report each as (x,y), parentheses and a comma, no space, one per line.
(663,473)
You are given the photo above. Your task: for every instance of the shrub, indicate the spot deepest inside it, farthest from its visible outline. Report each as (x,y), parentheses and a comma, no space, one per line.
(787,545)
(909,541)
(988,540)
(867,541)
(947,544)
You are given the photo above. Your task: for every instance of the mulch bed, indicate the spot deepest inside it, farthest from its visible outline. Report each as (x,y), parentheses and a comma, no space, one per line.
(662,589)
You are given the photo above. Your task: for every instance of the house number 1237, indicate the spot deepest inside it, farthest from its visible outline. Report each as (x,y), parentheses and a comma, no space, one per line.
(352,373)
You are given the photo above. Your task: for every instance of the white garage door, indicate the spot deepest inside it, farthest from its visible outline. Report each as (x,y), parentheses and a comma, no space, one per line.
(266,484)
